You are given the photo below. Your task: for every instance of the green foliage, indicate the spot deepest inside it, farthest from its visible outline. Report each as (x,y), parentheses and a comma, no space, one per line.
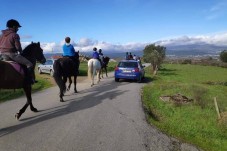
(154,55)
(83,69)
(223,56)
(194,122)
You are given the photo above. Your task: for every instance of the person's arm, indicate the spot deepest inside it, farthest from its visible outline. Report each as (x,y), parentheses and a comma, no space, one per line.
(16,38)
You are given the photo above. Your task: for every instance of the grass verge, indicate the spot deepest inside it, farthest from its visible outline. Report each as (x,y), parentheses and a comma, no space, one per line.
(194,122)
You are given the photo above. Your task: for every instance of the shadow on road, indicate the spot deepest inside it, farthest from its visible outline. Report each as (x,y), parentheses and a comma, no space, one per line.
(89,98)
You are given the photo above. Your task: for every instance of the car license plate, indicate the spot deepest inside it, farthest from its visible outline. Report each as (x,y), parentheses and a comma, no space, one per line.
(127,71)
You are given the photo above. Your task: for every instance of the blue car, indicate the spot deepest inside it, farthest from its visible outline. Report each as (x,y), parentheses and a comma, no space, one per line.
(129,69)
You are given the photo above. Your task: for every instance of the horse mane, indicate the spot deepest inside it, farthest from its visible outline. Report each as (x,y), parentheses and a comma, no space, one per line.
(28,48)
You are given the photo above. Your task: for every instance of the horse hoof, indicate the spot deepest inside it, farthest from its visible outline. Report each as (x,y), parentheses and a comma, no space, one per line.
(62,100)
(34,110)
(17,116)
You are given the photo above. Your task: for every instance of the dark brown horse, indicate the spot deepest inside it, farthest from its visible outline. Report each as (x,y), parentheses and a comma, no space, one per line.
(10,78)
(64,68)
(104,65)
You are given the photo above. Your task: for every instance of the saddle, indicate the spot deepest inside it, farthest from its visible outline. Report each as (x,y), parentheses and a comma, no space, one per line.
(17,67)
(73,62)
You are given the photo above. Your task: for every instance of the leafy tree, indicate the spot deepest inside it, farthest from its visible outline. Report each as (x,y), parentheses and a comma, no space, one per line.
(154,55)
(223,56)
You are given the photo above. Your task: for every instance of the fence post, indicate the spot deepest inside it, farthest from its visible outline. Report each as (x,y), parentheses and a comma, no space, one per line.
(216,107)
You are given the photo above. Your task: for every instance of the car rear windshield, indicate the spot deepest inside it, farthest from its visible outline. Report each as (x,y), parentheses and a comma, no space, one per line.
(49,62)
(128,64)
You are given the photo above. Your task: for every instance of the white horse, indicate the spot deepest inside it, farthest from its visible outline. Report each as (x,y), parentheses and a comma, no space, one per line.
(94,67)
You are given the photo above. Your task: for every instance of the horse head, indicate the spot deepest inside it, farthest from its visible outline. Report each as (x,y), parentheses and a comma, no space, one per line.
(106,60)
(34,52)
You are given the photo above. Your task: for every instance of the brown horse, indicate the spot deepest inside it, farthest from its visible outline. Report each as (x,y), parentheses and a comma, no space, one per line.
(64,68)
(10,78)
(104,65)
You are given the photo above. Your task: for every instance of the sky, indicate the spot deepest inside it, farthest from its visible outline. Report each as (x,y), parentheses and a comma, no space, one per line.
(116,25)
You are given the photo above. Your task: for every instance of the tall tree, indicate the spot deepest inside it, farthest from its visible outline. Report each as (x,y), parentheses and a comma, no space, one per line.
(154,55)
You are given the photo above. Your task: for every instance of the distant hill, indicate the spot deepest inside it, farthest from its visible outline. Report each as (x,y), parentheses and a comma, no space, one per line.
(108,53)
(171,50)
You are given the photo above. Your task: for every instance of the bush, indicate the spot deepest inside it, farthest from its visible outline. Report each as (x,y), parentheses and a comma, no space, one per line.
(223,56)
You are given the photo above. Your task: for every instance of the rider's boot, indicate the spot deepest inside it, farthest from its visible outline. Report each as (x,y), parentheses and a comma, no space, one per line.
(29,78)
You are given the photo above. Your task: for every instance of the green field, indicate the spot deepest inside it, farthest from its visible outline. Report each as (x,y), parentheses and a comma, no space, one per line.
(196,121)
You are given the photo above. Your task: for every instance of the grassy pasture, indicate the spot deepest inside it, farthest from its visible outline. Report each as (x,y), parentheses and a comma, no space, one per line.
(195,122)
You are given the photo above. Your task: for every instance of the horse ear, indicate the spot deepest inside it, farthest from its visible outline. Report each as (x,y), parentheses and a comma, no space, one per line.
(38,43)
(32,42)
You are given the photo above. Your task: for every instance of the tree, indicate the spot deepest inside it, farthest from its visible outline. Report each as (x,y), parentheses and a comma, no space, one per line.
(223,56)
(154,55)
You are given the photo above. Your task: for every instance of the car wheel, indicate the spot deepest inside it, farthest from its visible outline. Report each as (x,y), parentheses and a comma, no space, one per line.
(40,71)
(117,79)
(52,73)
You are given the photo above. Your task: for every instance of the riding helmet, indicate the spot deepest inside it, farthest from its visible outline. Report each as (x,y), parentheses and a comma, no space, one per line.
(67,39)
(12,22)
(94,48)
(100,50)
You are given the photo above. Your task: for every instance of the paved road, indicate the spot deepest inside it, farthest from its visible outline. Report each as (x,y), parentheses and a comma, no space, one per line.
(106,117)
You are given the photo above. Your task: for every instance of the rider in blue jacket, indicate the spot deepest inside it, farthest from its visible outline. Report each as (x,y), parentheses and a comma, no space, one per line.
(69,51)
(95,54)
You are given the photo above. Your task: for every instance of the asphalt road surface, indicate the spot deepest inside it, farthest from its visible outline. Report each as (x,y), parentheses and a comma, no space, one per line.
(105,117)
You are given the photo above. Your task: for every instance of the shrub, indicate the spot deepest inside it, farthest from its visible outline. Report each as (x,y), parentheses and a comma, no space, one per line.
(223,56)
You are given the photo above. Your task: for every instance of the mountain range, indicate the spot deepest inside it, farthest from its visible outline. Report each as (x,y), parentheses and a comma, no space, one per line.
(177,50)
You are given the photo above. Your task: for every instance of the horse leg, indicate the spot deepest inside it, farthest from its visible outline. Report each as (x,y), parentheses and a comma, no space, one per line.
(92,77)
(27,90)
(21,111)
(61,96)
(75,81)
(106,71)
(70,82)
(102,72)
(98,75)
(62,91)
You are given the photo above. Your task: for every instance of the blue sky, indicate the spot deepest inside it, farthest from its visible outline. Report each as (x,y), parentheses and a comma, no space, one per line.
(116,24)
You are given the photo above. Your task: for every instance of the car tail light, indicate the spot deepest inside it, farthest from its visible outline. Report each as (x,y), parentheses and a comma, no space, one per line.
(116,69)
(136,69)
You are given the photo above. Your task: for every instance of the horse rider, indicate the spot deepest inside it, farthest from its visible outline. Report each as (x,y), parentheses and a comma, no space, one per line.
(101,57)
(130,56)
(69,51)
(95,55)
(10,48)
(126,56)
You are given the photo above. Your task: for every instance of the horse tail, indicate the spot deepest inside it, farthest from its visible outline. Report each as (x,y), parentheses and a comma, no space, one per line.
(90,69)
(58,75)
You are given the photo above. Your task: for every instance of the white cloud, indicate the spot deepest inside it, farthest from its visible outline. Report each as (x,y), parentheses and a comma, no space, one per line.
(219,39)
(86,42)
(217,10)
(87,45)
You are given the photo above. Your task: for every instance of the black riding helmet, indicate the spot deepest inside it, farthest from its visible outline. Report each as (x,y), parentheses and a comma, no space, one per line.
(94,48)
(12,23)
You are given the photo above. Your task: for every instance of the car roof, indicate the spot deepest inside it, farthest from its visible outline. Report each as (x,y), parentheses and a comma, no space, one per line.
(128,61)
